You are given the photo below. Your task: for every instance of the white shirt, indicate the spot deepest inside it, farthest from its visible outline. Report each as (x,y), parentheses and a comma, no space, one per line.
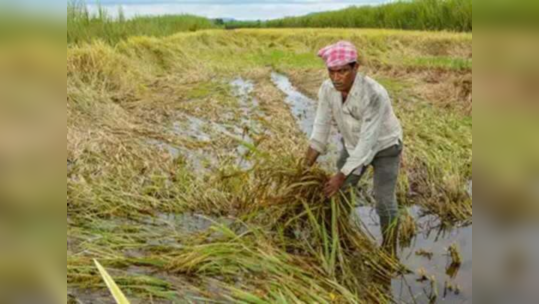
(366,121)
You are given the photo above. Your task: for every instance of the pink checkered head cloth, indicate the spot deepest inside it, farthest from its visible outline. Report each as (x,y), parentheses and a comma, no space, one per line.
(338,54)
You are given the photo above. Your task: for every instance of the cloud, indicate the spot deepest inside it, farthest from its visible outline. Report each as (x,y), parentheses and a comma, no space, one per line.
(231,2)
(237,9)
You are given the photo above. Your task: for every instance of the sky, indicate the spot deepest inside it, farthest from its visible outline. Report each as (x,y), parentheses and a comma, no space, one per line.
(236,9)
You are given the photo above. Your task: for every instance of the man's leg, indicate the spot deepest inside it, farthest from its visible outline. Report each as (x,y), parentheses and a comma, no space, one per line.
(386,170)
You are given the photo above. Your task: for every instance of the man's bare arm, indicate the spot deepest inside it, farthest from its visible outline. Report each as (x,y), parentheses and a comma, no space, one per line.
(311,157)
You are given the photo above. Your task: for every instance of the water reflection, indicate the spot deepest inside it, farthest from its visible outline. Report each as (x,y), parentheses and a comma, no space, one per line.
(208,132)
(304,110)
(428,258)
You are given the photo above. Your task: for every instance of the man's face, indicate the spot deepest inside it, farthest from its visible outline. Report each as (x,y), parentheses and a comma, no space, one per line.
(343,77)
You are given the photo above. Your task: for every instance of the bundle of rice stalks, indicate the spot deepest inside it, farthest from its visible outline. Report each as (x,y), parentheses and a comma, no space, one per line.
(253,266)
(296,239)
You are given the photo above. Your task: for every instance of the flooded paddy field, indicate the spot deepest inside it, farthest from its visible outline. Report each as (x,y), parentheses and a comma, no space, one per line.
(183,175)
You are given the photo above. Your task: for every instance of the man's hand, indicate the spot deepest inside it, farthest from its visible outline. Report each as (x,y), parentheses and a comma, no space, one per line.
(334,184)
(310,157)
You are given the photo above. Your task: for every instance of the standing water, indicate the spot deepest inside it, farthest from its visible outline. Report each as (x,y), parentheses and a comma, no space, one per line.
(301,106)
(206,131)
(304,111)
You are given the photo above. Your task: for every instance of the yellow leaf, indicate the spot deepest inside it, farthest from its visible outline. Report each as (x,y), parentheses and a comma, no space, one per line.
(114,289)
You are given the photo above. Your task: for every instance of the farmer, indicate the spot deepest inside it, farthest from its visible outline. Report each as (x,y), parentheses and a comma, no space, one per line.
(371,133)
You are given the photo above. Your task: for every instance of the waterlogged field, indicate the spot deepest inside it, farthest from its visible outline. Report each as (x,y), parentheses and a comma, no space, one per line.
(183,175)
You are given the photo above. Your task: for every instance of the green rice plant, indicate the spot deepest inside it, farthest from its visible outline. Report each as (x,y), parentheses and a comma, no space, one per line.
(450,15)
(82,26)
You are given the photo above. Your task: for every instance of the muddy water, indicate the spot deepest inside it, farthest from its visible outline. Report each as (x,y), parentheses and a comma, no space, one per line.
(249,105)
(205,131)
(192,127)
(302,107)
(304,111)
(186,223)
(406,289)
(437,267)
(250,116)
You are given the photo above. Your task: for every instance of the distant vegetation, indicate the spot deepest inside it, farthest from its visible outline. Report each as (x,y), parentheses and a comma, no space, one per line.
(82,26)
(451,15)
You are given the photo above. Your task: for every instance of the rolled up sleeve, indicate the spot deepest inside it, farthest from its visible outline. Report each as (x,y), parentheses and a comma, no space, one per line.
(371,126)
(322,123)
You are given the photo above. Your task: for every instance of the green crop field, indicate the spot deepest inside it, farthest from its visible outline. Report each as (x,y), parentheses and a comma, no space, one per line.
(448,15)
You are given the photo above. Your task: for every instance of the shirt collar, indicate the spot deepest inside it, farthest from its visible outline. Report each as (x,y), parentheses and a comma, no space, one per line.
(358,83)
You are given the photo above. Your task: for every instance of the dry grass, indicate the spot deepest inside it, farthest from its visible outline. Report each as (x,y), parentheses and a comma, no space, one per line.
(272,236)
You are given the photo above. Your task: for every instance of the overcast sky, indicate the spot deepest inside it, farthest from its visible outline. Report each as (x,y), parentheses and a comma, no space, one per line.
(237,9)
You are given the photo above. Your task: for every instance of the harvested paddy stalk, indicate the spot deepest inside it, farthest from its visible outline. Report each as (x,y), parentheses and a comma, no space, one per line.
(290,240)
(132,186)
(290,201)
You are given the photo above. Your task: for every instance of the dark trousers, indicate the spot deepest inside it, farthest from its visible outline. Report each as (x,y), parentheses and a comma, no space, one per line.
(386,166)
